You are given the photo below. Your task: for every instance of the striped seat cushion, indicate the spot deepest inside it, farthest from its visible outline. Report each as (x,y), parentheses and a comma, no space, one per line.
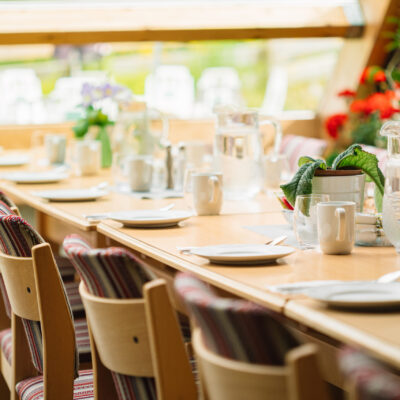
(113,273)
(65,267)
(372,380)
(32,388)
(17,238)
(233,328)
(6,344)
(294,147)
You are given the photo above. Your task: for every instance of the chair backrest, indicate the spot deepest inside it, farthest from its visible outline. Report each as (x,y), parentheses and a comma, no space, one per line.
(233,328)
(37,295)
(294,147)
(368,379)
(134,327)
(9,203)
(120,332)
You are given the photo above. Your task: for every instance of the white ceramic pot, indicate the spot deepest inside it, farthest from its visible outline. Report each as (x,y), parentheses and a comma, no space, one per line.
(341,188)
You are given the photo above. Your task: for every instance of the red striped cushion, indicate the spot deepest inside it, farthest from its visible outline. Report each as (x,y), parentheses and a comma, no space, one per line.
(236,329)
(294,147)
(6,344)
(32,388)
(373,381)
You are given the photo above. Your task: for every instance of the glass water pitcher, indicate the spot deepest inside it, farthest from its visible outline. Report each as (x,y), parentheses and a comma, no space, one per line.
(238,151)
(391,198)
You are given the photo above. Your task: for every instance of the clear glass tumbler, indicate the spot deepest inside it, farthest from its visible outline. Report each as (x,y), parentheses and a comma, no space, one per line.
(305,219)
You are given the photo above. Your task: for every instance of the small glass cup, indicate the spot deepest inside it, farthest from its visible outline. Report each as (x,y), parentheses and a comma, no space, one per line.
(87,157)
(305,219)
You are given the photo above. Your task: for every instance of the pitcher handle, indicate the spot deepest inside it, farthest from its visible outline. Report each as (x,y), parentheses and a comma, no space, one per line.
(267,120)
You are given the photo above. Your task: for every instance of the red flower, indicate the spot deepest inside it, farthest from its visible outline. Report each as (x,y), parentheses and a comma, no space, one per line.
(347,93)
(382,102)
(334,123)
(364,75)
(380,76)
(359,106)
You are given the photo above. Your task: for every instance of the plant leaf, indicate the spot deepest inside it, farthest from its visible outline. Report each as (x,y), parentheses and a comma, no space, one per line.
(301,182)
(378,198)
(356,157)
(304,160)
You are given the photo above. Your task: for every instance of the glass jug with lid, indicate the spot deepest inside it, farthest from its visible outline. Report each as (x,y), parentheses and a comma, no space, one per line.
(391,198)
(238,151)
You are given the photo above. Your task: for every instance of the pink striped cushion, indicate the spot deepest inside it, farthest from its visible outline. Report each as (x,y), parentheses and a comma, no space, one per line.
(235,329)
(32,388)
(373,381)
(6,344)
(294,147)
(113,273)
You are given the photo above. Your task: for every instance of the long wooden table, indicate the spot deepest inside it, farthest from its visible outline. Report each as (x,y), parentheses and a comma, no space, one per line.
(377,333)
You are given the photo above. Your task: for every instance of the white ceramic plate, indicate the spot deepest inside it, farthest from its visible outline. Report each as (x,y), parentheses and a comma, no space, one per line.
(358,294)
(71,194)
(13,161)
(35,177)
(242,254)
(150,218)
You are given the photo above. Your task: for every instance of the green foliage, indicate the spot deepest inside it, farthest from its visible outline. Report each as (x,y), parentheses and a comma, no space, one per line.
(354,157)
(301,182)
(366,132)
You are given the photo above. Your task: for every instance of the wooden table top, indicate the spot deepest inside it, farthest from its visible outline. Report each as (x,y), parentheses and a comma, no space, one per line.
(73,212)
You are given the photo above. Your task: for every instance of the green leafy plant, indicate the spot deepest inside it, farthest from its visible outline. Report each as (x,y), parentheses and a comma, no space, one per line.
(354,157)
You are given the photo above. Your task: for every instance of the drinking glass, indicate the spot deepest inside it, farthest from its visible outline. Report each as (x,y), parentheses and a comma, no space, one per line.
(305,219)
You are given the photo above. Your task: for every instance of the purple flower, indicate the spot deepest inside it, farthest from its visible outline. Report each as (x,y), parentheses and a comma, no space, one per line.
(87,94)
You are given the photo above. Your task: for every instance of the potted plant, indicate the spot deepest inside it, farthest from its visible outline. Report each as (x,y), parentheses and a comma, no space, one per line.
(343,181)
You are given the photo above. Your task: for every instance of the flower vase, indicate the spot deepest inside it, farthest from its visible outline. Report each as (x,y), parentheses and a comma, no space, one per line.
(101,134)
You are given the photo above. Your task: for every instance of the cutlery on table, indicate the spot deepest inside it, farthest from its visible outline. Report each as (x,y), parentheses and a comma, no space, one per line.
(272,242)
(99,217)
(300,287)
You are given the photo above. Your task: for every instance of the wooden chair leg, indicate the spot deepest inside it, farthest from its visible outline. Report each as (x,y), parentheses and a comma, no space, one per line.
(305,380)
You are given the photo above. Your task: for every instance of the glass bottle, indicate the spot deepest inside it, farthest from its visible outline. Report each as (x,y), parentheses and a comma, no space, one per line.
(391,198)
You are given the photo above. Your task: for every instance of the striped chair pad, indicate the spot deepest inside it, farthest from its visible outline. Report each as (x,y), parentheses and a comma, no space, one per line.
(65,267)
(74,298)
(17,238)
(233,328)
(32,388)
(113,273)
(6,200)
(294,147)
(6,344)
(372,380)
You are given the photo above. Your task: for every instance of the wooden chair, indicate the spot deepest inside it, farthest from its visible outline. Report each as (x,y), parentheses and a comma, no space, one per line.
(367,378)
(136,337)
(226,379)
(245,351)
(20,240)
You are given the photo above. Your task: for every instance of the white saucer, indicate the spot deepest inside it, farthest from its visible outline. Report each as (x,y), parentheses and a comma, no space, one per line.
(357,294)
(242,254)
(35,177)
(71,194)
(13,161)
(149,218)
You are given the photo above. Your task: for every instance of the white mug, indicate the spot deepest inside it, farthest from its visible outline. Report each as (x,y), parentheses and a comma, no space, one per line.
(207,192)
(140,172)
(88,157)
(336,226)
(55,146)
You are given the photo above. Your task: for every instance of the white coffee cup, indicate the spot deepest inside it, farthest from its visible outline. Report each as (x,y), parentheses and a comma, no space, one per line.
(336,226)
(207,192)
(55,146)
(88,157)
(140,172)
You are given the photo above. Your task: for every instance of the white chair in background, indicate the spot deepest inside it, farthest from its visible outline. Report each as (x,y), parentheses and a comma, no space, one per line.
(170,89)
(218,86)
